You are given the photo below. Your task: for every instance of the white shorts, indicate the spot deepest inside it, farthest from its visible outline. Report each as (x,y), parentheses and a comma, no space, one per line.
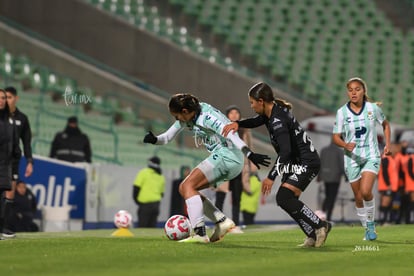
(222,165)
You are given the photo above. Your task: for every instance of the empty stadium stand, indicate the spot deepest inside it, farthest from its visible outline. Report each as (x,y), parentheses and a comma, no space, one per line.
(116,133)
(314,46)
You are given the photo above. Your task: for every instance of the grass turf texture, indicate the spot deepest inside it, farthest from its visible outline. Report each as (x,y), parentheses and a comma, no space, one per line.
(261,250)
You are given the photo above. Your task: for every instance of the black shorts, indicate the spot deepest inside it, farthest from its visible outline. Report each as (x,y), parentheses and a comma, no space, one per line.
(5,177)
(15,169)
(301,179)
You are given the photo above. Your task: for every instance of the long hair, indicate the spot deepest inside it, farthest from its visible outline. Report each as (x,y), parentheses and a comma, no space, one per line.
(263,91)
(181,101)
(365,87)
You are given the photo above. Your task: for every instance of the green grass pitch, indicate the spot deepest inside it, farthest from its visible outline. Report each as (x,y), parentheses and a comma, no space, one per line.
(261,250)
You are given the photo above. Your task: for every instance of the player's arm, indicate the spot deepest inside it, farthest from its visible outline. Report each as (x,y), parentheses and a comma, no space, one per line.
(257,159)
(252,122)
(246,123)
(387,134)
(165,137)
(338,131)
(87,150)
(410,166)
(26,138)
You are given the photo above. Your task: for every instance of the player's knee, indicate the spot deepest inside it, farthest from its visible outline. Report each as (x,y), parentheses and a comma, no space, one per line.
(186,189)
(283,197)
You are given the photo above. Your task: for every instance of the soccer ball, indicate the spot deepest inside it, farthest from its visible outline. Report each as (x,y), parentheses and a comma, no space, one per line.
(177,227)
(123,219)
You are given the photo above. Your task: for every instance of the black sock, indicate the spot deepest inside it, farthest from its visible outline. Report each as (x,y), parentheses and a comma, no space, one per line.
(221,220)
(383,214)
(2,212)
(302,214)
(6,212)
(201,231)
(411,212)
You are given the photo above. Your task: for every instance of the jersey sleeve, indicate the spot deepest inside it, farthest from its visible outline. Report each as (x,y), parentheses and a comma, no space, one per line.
(339,122)
(379,114)
(170,134)
(252,122)
(217,124)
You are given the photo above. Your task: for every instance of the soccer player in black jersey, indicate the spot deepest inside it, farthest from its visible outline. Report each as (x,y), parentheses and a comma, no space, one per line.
(24,134)
(297,162)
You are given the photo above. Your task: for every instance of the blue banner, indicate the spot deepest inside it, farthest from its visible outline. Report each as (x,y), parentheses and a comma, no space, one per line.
(56,183)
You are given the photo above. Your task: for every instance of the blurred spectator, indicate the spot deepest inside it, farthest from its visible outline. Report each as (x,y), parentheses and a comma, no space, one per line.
(387,184)
(177,205)
(249,203)
(148,190)
(401,199)
(239,183)
(408,168)
(24,210)
(332,169)
(71,144)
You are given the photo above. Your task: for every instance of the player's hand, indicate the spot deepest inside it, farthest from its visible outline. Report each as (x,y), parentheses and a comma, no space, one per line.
(150,138)
(387,151)
(259,159)
(29,170)
(234,126)
(267,184)
(350,146)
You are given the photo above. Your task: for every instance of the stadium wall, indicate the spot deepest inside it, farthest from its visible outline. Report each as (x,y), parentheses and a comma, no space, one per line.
(135,52)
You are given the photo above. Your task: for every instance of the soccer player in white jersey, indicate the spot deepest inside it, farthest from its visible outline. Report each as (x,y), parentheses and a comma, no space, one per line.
(224,163)
(355,131)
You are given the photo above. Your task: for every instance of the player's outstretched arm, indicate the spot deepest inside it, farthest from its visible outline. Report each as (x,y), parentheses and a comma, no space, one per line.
(150,138)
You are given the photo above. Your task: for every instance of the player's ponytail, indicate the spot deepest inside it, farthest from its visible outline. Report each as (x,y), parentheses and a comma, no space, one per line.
(181,101)
(263,91)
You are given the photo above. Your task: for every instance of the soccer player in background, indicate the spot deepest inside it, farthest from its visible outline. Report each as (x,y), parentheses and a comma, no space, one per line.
(355,131)
(9,151)
(297,162)
(24,134)
(224,163)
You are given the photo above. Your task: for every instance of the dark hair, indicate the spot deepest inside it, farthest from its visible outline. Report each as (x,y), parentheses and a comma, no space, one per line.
(5,112)
(231,108)
(180,101)
(11,89)
(263,91)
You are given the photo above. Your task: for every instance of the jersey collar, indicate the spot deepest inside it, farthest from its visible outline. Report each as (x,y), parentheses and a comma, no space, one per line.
(353,112)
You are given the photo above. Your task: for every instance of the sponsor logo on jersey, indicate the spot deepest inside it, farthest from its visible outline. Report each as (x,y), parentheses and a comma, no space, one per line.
(289,168)
(370,115)
(294,177)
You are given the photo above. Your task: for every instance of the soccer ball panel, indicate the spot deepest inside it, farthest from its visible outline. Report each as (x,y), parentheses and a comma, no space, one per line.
(123,219)
(177,227)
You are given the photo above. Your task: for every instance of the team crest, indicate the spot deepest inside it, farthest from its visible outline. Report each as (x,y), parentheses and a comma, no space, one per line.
(370,115)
